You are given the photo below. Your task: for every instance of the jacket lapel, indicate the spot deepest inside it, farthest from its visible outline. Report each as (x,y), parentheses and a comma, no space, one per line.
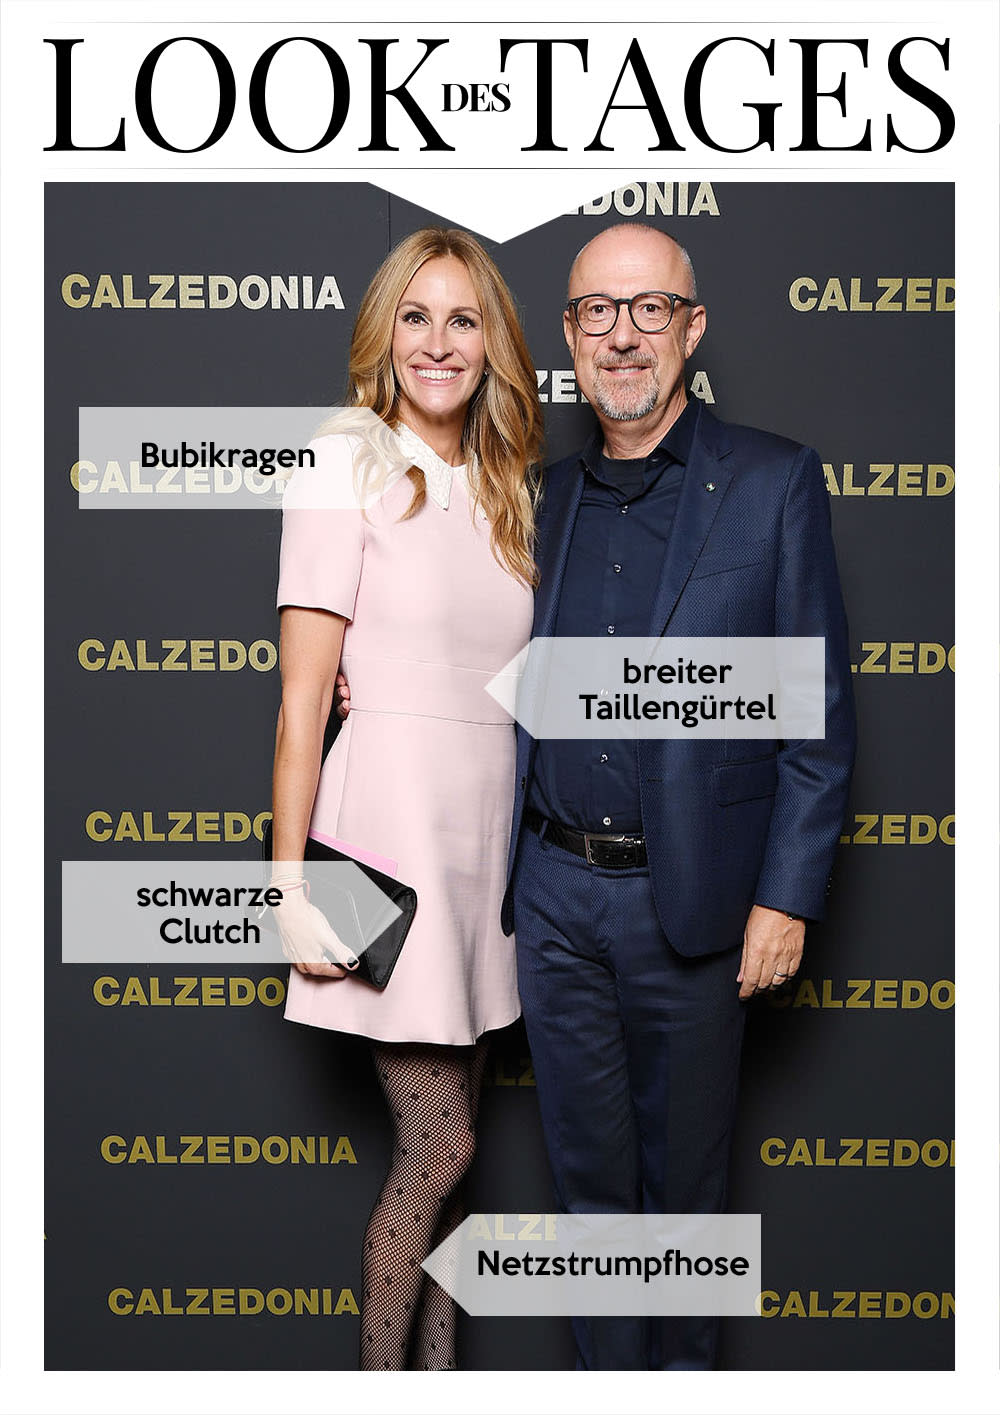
(696,510)
(563,495)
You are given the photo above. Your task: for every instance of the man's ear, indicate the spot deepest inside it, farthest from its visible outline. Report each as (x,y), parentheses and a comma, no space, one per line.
(569,331)
(696,325)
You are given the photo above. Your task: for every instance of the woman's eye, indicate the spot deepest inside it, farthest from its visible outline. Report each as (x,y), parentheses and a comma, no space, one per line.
(464,322)
(412,317)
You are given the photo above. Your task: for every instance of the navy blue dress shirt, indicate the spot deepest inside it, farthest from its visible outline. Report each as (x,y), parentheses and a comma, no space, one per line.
(619,541)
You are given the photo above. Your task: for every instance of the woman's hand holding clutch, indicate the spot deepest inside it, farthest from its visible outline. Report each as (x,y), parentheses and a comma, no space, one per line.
(306,936)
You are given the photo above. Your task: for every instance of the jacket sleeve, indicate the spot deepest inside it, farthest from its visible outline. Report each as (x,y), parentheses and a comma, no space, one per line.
(814,774)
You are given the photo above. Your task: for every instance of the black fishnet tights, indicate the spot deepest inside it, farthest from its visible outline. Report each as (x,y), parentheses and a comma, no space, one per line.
(407,1320)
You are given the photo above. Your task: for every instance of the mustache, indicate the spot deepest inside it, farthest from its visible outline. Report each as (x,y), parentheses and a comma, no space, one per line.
(625,361)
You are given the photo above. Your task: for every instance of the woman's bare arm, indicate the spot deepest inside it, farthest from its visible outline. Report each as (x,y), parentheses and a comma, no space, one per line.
(311,642)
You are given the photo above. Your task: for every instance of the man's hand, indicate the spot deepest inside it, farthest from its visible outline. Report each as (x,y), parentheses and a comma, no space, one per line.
(772,950)
(342,693)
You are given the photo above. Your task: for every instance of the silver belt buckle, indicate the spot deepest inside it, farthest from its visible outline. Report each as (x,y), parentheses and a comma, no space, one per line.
(590,840)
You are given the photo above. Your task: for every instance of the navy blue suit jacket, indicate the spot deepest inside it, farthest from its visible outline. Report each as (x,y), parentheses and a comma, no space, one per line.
(728,823)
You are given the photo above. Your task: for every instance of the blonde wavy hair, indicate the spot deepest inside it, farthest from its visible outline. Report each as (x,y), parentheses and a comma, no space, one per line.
(503,430)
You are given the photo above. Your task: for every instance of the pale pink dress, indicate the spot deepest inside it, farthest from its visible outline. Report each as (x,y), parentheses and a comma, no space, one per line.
(422,771)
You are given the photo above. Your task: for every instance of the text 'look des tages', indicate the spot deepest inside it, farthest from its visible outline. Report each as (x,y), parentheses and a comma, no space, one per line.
(413,87)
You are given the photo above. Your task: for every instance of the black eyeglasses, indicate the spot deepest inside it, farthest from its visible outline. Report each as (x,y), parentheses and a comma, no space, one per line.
(650,312)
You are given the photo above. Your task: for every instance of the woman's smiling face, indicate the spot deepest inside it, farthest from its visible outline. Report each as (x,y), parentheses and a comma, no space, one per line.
(438,353)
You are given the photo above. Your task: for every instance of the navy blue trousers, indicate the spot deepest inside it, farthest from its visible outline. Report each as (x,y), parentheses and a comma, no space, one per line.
(636,1053)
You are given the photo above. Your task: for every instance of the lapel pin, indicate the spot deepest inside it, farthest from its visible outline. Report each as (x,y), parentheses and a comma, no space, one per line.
(710,486)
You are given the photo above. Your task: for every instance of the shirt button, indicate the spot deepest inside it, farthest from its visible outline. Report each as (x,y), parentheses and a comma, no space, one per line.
(624,510)
(617,569)
(607,820)
(604,756)
(611,628)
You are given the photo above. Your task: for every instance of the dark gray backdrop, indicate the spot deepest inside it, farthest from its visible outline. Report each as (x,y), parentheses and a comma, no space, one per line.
(864,388)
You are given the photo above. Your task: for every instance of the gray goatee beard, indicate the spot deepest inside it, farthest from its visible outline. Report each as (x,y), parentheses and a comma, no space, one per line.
(616,404)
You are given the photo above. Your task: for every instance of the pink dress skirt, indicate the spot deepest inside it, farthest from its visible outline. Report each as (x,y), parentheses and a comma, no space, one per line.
(422,771)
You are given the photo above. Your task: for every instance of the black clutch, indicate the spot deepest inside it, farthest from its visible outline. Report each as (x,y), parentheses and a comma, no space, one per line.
(356,923)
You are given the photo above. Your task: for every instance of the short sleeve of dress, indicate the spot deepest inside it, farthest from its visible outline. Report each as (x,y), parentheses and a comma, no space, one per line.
(322,531)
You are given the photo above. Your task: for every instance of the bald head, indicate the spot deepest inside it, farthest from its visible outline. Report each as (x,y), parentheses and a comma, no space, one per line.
(632,376)
(617,248)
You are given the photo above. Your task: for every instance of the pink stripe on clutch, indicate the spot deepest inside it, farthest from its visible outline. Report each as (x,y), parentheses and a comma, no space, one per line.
(366,857)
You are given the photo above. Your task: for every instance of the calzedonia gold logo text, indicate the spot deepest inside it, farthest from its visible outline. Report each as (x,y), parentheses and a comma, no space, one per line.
(862,1303)
(904,656)
(510,1070)
(200,292)
(654,199)
(232,1302)
(227,1149)
(109,655)
(857,1153)
(864,994)
(163,827)
(889,478)
(873,294)
(899,829)
(558,385)
(204,990)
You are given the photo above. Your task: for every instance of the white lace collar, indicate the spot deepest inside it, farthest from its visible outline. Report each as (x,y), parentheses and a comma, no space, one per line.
(437,472)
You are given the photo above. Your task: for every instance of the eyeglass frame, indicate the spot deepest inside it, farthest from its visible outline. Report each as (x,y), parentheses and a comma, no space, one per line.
(628,300)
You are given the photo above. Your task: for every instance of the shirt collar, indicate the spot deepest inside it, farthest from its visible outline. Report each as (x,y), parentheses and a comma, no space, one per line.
(675,445)
(437,472)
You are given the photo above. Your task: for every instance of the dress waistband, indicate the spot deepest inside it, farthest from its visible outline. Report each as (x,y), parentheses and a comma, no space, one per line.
(419,689)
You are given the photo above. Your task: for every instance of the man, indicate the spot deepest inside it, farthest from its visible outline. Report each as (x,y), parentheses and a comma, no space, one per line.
(655,885)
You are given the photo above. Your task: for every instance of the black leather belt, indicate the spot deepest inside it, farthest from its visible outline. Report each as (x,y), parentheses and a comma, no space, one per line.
(609,852)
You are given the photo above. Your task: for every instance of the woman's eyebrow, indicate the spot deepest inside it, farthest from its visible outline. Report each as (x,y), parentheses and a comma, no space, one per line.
(459,309)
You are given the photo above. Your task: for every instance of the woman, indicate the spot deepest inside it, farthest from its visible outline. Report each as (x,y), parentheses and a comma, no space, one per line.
(422,597)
